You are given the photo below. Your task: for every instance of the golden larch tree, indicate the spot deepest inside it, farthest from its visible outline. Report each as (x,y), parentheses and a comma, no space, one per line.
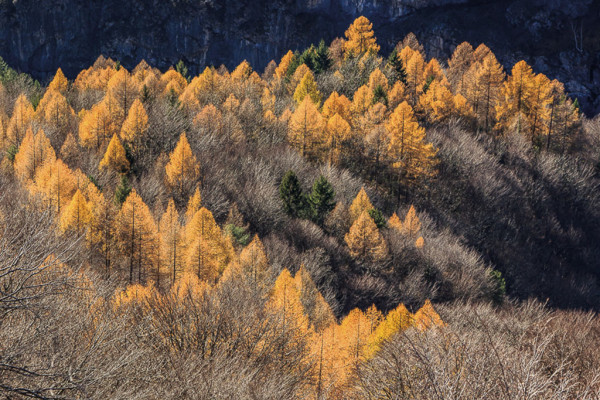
(76,216)
(337,104)
(114,157)
(395,321)
(458,65)
(59,82)
(433,72)
(361,101)
(437,103)
(539,110)
(101,234)
(396,95)
(193,205)
(307,87)
(516,98)
(204,246)
(173,82)
(136,237)
(183,169)
(297,77)
(241,72)
(411,225)
(315,307)
(360,38)
(338,132)
(482,86)
(286,304)
(414,66)
(34,151)
(56,184)
(364,240)
(208,121)
(171,242)
(254,262)
(20,120)
(136,124)
(69,151)
(481,52)
(408,150)
(395,222)
(55,111)
(420,242)
(563,121)
(426,317)
(378,79)
(284,65)
(96,127)
(360,204)
(306,130)
(353,336)
(124,89)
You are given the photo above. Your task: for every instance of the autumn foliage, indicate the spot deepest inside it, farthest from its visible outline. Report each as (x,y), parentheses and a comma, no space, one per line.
(186,191)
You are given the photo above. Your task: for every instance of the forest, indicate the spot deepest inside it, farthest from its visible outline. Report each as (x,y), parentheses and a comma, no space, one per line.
(342,225)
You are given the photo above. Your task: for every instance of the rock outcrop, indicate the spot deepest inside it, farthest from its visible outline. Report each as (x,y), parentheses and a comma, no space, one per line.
(558,37)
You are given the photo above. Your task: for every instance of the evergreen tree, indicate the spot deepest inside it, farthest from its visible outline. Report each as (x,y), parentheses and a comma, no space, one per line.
(182,69)
(122,190)
(378,218)
(321,200)
(395,62)
(294,201)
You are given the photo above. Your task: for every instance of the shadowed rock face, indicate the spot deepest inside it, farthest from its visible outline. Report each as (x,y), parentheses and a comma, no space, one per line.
(38,36)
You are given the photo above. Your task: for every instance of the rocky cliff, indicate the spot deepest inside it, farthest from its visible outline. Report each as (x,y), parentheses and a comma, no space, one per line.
(558,37)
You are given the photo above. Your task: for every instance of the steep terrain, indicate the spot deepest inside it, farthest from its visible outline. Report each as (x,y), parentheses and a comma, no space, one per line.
(557,37)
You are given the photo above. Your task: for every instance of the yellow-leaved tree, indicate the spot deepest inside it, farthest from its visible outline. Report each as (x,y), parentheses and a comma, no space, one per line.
(306,130)
(337,104)
(360,204)
(171,242)
(364,240)
(286,304)
(96,126)
(193,205)
(59,82)
(338,133)
(395,321)
(284,65)
(183,169)
(114,158)
(362,100)
(458,65)
(408,150)
(124,89)
(55,183)
(254,262)
(411,225)
(136,237)
(360,38)
(426,317)
(307,87)
(55,111)
(76,216)
(481,87)
(136,124)
(517,94)
(34,151)
(19,121)
(437,103)
(206,249)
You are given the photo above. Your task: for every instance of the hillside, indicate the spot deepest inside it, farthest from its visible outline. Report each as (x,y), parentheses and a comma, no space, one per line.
(347,222)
